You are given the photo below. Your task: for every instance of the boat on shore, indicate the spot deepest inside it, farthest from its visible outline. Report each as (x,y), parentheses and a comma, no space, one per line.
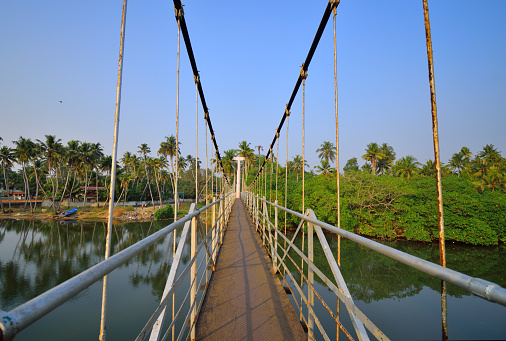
(69,213)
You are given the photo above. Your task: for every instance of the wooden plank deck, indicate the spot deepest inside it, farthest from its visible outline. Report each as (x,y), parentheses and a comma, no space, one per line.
(245,300)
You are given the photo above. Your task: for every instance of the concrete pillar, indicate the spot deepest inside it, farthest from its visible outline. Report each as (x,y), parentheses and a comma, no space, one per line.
(238,177)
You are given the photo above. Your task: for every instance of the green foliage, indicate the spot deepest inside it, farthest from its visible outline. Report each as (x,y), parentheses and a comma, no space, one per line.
(164,213)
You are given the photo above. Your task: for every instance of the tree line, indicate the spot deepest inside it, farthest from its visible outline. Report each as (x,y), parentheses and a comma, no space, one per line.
(389,198)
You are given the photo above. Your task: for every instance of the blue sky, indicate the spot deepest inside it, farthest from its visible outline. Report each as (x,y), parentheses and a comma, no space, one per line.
(249,56)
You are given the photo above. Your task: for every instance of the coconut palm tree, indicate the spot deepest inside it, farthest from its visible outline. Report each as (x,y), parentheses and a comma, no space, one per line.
(85,159)
(388,159)
(327,152)
(51,150)
(298,164)
(7,159)
(23,156)
(324,168)
(373,153)
(228,161)
(406,167)
(457,163)
(144,150)
(97,154)
(168,149)
(72,158)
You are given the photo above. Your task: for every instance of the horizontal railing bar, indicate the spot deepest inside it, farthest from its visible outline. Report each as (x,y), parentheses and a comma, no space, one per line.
(19,318)
(477,286)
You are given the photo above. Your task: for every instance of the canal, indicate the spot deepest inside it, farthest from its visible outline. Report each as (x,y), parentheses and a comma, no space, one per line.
(404,303)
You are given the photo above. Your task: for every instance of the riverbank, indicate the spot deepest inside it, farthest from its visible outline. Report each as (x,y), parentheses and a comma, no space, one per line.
(121,214)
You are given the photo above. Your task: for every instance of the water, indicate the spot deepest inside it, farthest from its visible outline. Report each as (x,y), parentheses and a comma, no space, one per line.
(405,303)
(35,257)
(402,302)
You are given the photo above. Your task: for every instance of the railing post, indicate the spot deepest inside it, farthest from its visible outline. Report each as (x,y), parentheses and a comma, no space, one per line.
(275,252)
(310,287)
(193,294)
(220,222)
(263,220)
(213,233)
(256,213)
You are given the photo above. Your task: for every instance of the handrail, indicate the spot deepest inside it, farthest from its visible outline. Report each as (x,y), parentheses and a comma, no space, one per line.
(19,318)
(488,290)
(257,207)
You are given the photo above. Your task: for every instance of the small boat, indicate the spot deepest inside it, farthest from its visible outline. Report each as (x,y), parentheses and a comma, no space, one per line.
(69,213)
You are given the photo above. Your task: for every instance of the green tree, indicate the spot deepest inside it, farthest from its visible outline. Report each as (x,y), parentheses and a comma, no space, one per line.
(7,159)
(406,167)
(351,165)
(327,152)
(51,151)
(144,150)
(385,163)
(373,153)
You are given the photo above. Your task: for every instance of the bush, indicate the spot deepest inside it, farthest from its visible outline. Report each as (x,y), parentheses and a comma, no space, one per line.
(164,213)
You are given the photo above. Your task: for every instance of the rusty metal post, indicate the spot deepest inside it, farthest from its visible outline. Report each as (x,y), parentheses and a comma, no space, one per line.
(439,186)
(102,335)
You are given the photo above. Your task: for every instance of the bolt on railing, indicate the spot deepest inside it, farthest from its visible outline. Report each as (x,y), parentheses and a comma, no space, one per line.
(21,317)
(270,233)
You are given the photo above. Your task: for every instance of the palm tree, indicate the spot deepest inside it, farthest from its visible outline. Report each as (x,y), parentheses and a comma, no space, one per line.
(457,163)
(373,153)
(406,167)
(327,151)
(249,155)
(489,152)
(385,163)
(228,161)
(297,165)
(51,150)
(7,159)
(23,156)
(72,158)
(97,154)
(85,158)
(324,168)
(429,168)
(144,149)
(168,148)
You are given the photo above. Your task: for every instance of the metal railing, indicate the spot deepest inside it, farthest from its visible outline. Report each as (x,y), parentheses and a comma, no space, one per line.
(278,246)
(21,317)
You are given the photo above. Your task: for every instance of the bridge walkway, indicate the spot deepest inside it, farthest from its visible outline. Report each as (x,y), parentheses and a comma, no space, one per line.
(245,300)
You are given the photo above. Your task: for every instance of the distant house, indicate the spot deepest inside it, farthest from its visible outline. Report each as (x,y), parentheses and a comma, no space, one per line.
(91,192)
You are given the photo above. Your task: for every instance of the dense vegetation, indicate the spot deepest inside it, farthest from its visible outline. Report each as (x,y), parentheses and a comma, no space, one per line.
(397,199)
(385,198)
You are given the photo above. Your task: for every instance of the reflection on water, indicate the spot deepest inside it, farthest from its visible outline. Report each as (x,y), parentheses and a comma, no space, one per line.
(405,303)
(35,256)
(402,302)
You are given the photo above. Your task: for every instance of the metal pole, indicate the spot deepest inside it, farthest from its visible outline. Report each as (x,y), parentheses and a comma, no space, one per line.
(310,285)
(113,170)
(275,253)
(439,186)
(193,295)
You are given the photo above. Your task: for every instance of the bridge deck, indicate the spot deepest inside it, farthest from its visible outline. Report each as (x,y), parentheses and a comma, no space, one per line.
(245,301)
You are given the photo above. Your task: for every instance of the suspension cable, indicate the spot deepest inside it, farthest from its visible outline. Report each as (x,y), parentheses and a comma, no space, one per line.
(196,142)
(323,23)
(176,194)
(337,146)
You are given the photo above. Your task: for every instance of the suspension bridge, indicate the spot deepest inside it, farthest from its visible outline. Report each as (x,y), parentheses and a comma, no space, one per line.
(240,280)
